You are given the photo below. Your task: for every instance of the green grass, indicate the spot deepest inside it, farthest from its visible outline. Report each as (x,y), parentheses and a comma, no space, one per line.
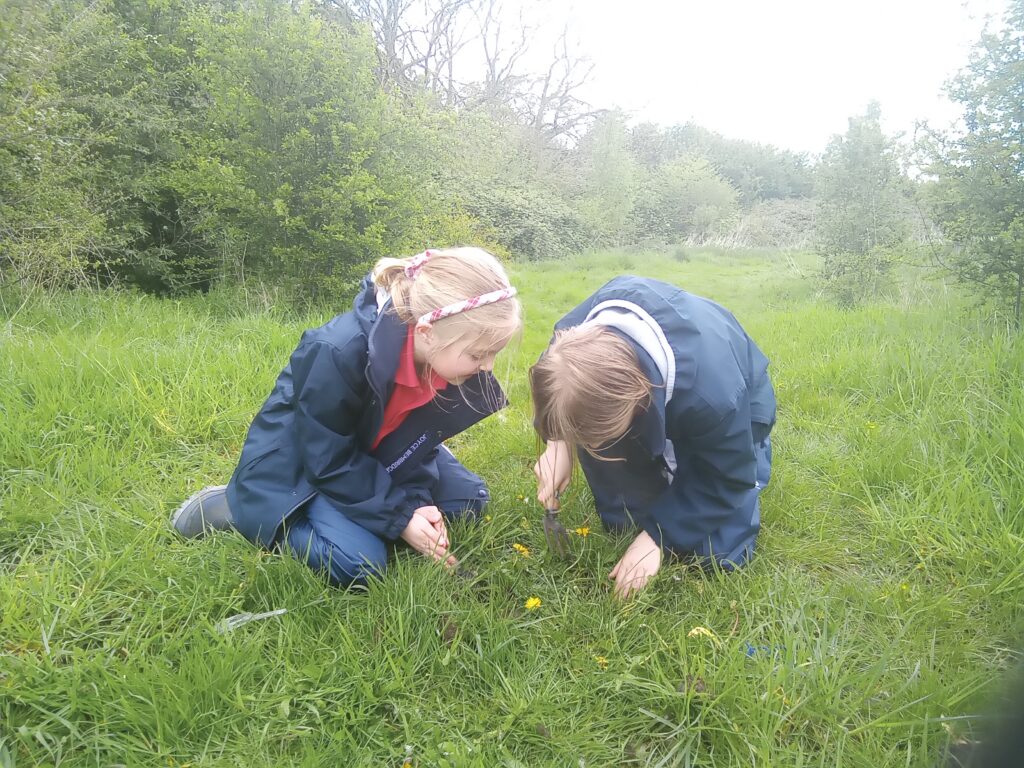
(887,588)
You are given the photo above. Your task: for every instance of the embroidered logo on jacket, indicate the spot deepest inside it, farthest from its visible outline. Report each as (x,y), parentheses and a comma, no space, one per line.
(408,452)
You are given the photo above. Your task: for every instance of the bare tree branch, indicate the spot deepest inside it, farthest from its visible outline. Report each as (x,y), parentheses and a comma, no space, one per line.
(430,45)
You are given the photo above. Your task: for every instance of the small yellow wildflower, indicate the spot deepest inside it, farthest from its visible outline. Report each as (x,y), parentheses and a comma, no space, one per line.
(871,426)
(602,662)
(533,603)
(702,632)
(524,551)
(583,531)
(487,518)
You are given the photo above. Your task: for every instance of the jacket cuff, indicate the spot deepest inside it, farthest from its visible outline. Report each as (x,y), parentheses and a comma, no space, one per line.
(401,519)
(418,497)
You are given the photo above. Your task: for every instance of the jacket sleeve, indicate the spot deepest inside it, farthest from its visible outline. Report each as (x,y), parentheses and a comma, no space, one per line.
(418,484)
(716,470)
(329,393)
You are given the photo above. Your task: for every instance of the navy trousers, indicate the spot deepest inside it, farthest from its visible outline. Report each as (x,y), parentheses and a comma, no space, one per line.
(323,538)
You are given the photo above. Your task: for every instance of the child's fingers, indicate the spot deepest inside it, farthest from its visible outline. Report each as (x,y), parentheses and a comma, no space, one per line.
(431,514)
(444,557)
(442,533)
(547,500)
(629,583)
(626,588)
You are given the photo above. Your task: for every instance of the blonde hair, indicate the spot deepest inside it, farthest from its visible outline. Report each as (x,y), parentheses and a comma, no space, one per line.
(448,276)
(587,388)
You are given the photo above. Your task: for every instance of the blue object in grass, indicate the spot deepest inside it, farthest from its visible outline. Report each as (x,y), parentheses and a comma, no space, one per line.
(753,650)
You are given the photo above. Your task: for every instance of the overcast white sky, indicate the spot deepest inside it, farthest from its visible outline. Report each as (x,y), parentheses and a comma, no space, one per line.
(782,72)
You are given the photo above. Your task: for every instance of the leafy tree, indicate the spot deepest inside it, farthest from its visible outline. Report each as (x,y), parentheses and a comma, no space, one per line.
(84,106)
(756,171)
(683,199)
(304,169)
(171,144)
(528,222)
(786,223)
(608,178)
(861,222)
(979,194)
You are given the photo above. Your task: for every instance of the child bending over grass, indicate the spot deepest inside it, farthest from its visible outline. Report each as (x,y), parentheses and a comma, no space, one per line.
(671,404)
(346,454)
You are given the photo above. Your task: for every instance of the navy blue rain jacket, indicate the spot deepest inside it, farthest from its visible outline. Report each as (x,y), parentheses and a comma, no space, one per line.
(313,434)
(721,404)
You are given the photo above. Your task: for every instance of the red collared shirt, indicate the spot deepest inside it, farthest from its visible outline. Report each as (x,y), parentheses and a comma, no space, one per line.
(410,391)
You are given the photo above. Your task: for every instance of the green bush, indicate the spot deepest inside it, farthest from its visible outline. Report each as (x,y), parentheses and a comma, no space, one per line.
(861,222)
(683,199)
(530,223)
(785,224)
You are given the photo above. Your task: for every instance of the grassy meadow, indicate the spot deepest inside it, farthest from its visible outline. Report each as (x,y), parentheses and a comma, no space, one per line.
(872,627)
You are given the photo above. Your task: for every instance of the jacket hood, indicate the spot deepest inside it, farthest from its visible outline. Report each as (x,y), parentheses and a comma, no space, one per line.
(368,303)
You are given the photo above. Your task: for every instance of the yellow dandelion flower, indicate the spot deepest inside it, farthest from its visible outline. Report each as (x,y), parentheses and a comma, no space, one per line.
(702,632)
(583,531)
(533,603)
(524,551)
(602,662)
(487,518)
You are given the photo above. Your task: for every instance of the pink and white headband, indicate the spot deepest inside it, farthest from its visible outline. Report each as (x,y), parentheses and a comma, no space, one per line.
(465,305)
(412,270)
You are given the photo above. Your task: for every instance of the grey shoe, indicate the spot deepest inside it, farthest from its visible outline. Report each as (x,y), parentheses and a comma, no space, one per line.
(202,512)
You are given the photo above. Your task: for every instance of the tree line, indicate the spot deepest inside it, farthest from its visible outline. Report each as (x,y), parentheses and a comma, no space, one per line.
(172,145)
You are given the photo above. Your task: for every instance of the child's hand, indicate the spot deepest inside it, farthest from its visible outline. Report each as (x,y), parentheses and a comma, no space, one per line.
(636,567)
(436,519)
(427,535)
(553,470)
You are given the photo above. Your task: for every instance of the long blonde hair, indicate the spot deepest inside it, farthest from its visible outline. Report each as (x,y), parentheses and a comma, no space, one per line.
(448,276)
(587,388)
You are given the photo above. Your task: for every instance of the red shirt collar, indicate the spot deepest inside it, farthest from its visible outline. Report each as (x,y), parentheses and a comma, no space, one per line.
(407,375)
